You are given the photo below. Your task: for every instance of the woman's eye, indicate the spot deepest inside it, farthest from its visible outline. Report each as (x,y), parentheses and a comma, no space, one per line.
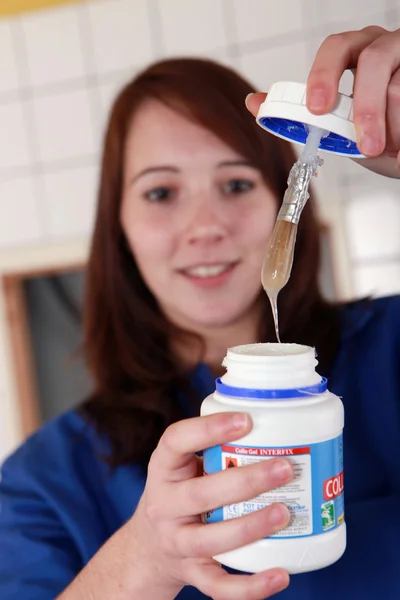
(159,194)
(238,186)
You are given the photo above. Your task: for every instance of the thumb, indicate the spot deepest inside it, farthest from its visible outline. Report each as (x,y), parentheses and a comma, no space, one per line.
(254,101)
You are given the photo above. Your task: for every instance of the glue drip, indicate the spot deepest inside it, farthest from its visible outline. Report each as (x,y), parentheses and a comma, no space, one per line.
(279,257)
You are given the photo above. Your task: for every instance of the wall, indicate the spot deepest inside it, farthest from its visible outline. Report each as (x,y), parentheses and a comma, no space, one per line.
(60,69)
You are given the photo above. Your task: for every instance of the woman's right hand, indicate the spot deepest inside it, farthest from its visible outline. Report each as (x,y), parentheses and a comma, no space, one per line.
(170,537)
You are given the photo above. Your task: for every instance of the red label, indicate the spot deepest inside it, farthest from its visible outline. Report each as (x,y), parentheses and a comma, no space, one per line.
(266,451)
(333,487)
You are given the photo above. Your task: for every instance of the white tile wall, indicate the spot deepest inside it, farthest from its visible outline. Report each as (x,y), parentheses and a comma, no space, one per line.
(53,47)
(357,10)
(14,146)
(19,218)
(69,199)
(108,91)
(360,20)
(9,79)
(64,126)
(346,83)
(258,19)
(351,16)
(373,223)
(377,280)
(313,13)
(327,184)
(393,19)
(277,63)
(192,27)
(121,34)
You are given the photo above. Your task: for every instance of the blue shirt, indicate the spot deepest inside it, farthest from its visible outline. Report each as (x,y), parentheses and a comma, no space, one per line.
(59,502)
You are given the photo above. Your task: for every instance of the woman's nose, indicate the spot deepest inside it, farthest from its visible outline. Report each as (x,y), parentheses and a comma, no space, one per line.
(206,227)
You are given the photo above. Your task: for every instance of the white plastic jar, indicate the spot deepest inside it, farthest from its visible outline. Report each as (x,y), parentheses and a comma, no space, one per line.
(294,415)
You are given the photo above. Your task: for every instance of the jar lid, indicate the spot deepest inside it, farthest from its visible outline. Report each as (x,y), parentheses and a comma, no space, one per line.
(285,114)
(270,366)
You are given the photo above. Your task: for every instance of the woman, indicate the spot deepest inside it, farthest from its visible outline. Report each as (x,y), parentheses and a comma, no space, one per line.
(105,501)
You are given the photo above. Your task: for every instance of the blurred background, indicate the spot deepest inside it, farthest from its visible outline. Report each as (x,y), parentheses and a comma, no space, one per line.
(61,64)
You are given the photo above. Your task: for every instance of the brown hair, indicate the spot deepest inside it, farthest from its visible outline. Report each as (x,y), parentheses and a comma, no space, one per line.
(126,335)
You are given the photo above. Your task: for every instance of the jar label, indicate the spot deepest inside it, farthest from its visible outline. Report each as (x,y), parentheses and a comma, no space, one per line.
(314,496)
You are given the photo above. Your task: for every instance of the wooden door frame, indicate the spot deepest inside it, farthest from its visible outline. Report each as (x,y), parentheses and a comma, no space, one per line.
(21,346)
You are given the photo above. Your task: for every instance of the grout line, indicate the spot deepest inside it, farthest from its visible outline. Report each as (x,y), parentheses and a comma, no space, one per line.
(391,9)
(370,199)
(92,83)
(358,181)
(350,24)
(373,261)
(156,29)
(53,89)
(21,59)
(282,39)
(231,32)
(63,87)
(38,168)
(392,16)
(20,54)
(341,225)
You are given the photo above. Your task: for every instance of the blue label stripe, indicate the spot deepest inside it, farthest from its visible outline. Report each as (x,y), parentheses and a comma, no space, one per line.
(229,390)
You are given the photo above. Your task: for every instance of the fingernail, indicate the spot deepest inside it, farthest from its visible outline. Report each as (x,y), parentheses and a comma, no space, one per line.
(279,516)
(359,134)
(282,470)
(369,145)
(318,99)
(240,420)
(247,98)
(278,582)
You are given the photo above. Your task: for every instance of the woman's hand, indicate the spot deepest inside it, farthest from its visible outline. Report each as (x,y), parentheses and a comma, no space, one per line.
(167,527)
(374,54)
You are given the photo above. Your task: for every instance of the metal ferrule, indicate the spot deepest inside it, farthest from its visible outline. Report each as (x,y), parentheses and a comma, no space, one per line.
(297,194)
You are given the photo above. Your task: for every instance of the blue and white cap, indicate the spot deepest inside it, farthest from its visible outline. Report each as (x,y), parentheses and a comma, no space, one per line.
(285,114)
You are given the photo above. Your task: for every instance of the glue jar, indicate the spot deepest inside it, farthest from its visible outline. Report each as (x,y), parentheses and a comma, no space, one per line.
(295,416)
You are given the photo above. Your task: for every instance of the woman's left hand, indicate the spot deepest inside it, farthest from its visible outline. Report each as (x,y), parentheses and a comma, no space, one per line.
(374,54)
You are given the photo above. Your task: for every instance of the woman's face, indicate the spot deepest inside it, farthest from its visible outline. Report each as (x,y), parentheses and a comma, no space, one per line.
(197,218)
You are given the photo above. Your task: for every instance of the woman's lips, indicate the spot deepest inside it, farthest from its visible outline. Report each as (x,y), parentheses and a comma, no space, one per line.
(209,275)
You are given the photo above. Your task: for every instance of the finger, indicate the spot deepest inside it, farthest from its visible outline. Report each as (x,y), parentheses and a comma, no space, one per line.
(336,54)
(215,582)
(393,115)
(376,65)
(232,485)
(198,540)
(254,101)
(181,440)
